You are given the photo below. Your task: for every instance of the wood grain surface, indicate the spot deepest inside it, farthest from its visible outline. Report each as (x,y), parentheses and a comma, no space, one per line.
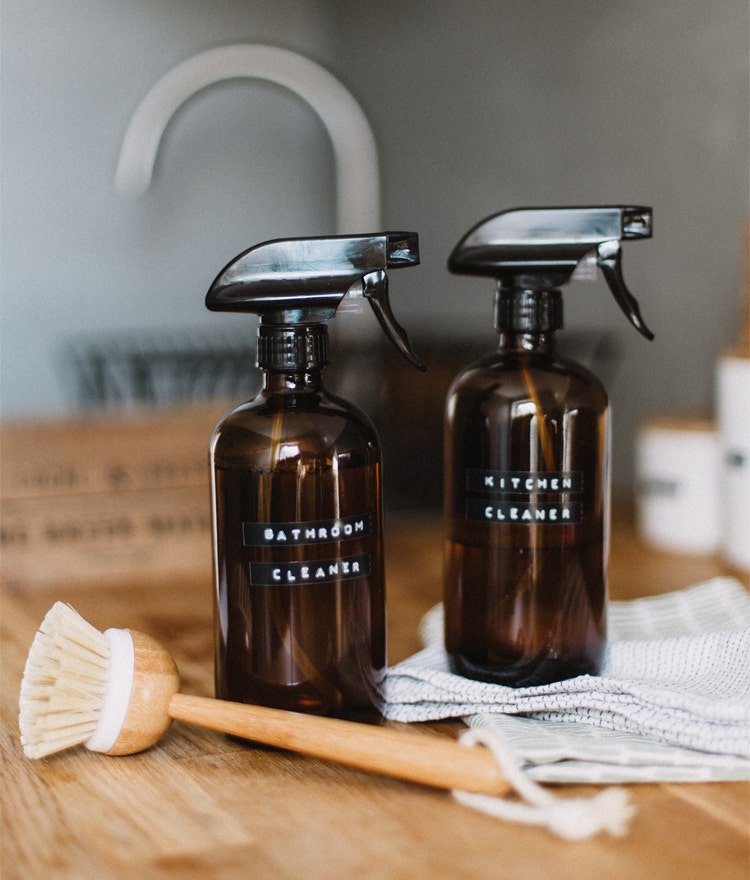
(200,805)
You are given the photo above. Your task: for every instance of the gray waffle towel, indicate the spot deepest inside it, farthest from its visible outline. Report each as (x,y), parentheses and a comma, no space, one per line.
(672,701)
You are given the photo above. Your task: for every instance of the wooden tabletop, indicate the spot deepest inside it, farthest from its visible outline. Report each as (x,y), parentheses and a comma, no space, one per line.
(201,806)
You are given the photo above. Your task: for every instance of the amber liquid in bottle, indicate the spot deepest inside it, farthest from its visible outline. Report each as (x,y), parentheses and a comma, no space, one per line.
(526,483)
(300,600)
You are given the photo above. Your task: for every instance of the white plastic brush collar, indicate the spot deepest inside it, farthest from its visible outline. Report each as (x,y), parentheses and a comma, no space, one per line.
(118,691)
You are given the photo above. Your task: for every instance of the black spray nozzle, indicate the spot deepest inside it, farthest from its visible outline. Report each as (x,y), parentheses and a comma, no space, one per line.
(540,248)
(299,281)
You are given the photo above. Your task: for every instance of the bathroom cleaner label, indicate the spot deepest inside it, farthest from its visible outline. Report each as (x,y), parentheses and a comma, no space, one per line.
(289,534)
(524,497)
(305,534)
(312,572)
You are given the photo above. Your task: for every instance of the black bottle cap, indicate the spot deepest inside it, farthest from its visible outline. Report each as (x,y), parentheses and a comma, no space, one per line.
(528,311)
(295,349)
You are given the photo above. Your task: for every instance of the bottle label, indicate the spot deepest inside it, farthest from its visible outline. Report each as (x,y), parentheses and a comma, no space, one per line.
(524,497)
(305,534)
(341,568)
(320,532)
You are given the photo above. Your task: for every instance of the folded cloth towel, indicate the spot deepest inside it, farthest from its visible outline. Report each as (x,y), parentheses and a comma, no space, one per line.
(672,701)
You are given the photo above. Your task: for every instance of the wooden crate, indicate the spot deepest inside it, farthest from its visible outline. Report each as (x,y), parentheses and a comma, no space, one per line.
(108,497)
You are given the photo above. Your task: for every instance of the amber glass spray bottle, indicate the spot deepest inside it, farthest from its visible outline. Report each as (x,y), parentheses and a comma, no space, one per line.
(527,457)
(298,550)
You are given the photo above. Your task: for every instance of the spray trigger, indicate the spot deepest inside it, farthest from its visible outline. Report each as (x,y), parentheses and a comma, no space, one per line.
(375,289)
(609,260)
(540,249)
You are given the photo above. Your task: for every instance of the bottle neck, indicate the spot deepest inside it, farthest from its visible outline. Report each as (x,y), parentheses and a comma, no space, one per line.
(284,382)
(526,343)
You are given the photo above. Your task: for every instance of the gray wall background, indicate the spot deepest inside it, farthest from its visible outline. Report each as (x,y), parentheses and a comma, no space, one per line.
(476,106)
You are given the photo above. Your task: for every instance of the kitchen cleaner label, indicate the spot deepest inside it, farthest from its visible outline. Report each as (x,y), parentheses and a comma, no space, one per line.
(524,497)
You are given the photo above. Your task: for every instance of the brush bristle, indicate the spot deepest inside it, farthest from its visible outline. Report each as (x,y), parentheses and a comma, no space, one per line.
(64,683)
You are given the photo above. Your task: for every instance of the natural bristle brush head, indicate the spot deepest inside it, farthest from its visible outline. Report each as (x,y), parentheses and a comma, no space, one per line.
(109,691)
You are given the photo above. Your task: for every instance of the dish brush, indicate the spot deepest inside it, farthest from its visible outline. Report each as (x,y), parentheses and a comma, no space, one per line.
(117,692)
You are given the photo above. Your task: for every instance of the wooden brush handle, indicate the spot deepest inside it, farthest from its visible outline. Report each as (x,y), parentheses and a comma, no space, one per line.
(429,760)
